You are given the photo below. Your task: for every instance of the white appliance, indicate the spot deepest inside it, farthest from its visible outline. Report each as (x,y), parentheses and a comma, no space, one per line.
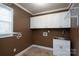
(61,47)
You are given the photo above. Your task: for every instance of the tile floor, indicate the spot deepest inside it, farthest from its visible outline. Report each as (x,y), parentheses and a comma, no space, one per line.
(34,51)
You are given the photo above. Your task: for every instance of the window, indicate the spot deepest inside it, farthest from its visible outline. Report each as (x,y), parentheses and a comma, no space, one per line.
(6,21)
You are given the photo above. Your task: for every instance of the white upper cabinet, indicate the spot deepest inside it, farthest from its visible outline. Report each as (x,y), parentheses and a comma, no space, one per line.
(56,20)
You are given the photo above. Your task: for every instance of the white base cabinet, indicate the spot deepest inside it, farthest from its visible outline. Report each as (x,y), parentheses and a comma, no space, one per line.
(56,20)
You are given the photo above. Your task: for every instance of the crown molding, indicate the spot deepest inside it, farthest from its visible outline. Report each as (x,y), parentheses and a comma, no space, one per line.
(44,11)
(51,11)
(69,6)
(18,5)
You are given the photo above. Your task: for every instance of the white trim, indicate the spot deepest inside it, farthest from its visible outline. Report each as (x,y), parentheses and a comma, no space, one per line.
(23,8)
(43,47)
(41,12)
(38,46)
(51,11)
(20,54)
(69,6)
(11,10)
(6,36)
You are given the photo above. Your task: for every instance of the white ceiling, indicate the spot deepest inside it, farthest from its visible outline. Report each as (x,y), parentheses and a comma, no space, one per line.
(36,9)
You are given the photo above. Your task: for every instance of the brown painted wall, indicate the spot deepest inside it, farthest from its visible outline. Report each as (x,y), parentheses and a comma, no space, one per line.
(75,35)
(75,40)
(21,24)
(39,39)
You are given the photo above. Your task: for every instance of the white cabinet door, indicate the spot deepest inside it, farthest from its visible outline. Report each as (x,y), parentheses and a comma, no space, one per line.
(40,21)
(66,22)
(54,20)
(59,20)
(37,22)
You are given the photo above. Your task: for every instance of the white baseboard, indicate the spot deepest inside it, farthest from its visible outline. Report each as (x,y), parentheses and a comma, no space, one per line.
(38,46)
(22,52)
(43,47)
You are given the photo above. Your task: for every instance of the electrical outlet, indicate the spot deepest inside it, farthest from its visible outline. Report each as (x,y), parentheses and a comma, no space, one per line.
(45,33)
(14,50)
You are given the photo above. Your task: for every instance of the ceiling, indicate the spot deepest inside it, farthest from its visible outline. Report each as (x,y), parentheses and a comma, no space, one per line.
(36,9)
